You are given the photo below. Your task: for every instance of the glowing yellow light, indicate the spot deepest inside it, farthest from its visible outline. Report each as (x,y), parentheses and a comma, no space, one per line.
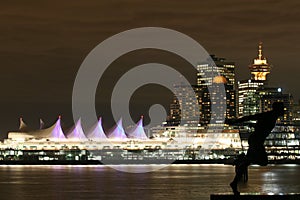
(219,79)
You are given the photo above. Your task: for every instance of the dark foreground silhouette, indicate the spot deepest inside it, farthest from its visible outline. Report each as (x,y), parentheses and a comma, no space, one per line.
(256,153)
(238,162)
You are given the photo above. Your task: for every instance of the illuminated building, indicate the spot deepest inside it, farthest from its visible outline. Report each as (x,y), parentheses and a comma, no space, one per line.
(138,131)
(260,67)
(247,97)
(260,99)
(170,143)
(53,133)
(118,131)
(174,118)
(183,99)
(267,96)
(77,134)
(96,133)
(255,96)
(225,71)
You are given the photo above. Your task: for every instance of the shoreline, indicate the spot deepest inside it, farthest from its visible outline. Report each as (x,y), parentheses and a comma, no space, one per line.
(131,162)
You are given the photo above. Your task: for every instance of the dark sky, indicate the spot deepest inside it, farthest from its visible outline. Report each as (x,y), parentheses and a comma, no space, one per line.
(42,44)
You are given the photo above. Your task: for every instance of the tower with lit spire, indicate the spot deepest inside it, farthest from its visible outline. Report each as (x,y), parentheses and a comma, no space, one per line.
(256,96)
(260,67)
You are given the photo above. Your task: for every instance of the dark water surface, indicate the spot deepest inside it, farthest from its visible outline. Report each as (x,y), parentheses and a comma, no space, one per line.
(172,182)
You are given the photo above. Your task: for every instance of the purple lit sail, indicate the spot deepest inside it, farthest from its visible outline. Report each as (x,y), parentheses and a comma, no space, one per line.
(138,131)
(57,132)
(77,133)
(96,133)
(118,132)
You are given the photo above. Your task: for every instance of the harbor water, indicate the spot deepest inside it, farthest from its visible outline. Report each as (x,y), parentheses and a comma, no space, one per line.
(191,182)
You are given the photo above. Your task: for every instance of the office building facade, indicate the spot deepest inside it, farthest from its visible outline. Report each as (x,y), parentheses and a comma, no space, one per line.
(221,75)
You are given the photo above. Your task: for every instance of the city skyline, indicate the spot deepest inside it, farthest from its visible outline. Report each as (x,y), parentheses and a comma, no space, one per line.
(226,71)
(218,61)
(41,52)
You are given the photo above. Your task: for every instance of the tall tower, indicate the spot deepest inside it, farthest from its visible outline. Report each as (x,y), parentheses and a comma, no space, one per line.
(260,67)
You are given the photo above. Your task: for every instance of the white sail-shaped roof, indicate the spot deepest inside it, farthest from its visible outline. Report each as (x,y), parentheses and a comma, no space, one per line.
(118,132)
(96,133)
(77,134)
(138,131)
(53,133)
(23,126)
(42,124)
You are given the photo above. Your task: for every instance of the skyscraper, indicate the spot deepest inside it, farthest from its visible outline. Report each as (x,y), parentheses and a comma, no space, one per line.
(226,76)
(247,97)
(223,74)
(183,101)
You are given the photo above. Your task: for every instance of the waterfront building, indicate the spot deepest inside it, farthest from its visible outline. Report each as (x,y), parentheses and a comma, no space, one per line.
(138,131)
(53,133)
(170,143)
(96,133)
(201,136)
(76,133)
(117,132)
(281,144)
(23,126)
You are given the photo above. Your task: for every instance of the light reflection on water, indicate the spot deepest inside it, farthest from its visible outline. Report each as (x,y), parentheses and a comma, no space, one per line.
(171,182)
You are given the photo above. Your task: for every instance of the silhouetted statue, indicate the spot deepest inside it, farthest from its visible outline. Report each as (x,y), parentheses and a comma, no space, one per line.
(256,153)
(239,165)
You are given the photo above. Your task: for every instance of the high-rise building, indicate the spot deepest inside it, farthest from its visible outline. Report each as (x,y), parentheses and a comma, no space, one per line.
(206,71)
(247,89)
(183,101)
(223,72)
(255,96)
(247,97)
(174,118)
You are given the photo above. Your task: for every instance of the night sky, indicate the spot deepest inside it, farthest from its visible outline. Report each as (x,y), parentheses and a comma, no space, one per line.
(43,43)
